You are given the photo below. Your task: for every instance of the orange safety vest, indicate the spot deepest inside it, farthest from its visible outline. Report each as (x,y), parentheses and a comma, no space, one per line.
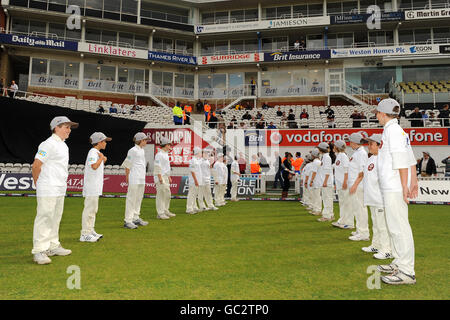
(297,163)
(188,108)
(207,108)
(184,115)
(254,167)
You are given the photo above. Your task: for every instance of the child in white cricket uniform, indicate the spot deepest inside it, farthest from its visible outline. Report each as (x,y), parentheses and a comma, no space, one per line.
(315,184)
(235,174)
(220,178)
(135,172)
(327,178)
(93,186)
(195,177)
(398,182)
(304,178)
(50,172)
(381,246)
(162,180)
(204,194)
(356,198)
(341,164)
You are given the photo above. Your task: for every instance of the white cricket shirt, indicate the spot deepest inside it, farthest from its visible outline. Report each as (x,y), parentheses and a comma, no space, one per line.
(195,166)
(326,168)
(161,165)
(394,153)
(54,154)
(234,168)
(340,169)
(135,161)
(356,165)
(206,172)
(315,165)
(93,179)
(372,192)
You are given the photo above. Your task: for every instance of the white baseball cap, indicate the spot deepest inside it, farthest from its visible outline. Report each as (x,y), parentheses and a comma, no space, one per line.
(97,137)
(315,153)
(387,106)
(61,120)
(355,137)
(164,141)
(140,136)
(340,144)
(375,137)
(323,146)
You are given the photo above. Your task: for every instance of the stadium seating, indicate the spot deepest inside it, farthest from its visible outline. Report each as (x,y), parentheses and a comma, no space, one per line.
(424,86)
(151,114)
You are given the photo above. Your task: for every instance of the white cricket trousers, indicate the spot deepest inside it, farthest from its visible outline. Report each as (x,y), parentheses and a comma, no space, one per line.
(133,203)
(46,224)
(223,191)
(327,199)
(89,214)
(234,189)
(402,242)
(380,238)
(191,203)
(316,200)
(360,212)
(346,216)
(163,195)
(206,195)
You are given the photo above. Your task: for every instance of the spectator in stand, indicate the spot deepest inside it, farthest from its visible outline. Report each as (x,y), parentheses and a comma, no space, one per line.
(271,126)
(246,116)
(248,106)
(427,166)
(234,120)
(355,117)
(362,117)
(432,118)
(416,115)
(133,109)
(446,161)
(265,106)
(302,45)
(330,120)
(304,114)
(119,109)
(284,119)
(13,89)
(444,115)
(113,108)
(260,125)
(252,122)
(230,125)
(252,86)
(328,111)
(199,106)
(297,45)
(291,119)
(259,115)
(243,126)
(100,109)
(279,112)
(212,122)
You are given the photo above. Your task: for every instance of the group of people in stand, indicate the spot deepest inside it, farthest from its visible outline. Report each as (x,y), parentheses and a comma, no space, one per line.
(9,91)
(382,180)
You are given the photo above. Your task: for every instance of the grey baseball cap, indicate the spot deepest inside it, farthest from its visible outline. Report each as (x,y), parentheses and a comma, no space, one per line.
(340,144)
(426,152)
(323,146)
(164,141)
(355,137)
(315,153)
(62,120)
(140,136)
(375,137)
(97,137)
(387,106)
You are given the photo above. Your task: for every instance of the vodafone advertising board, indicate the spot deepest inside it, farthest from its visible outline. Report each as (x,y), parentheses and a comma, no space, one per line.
(288,138)
(183,143)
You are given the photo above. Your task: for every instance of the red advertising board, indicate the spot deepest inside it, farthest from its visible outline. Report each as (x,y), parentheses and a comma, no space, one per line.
(117,184)
(302,137)
(183,142)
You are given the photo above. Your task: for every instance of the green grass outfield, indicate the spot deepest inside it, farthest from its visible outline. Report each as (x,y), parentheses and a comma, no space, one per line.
(246,250)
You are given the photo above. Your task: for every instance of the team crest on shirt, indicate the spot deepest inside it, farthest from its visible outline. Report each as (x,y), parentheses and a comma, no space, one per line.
(338,162)
(370,167)
(42,153)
